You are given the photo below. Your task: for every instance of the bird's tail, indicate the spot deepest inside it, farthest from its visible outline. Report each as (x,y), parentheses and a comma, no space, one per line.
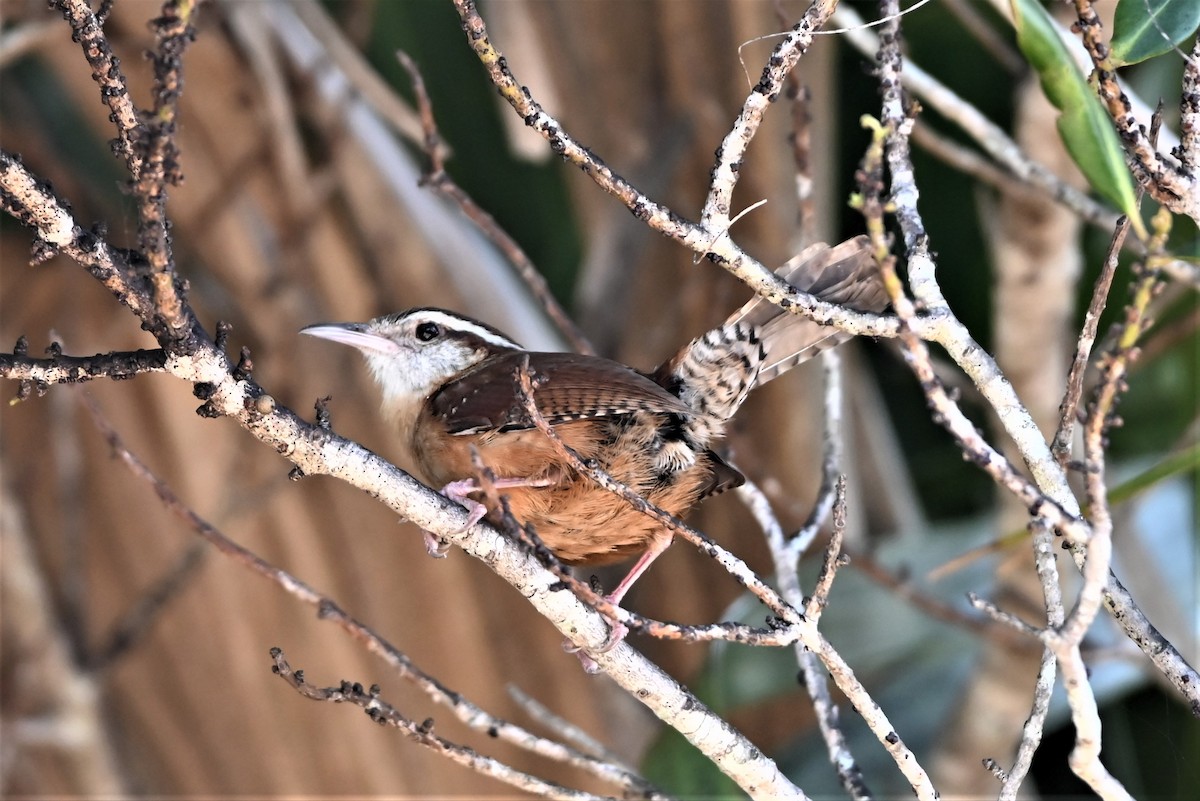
(760,341)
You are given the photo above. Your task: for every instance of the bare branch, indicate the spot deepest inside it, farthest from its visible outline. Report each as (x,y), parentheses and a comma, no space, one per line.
(33,203)
(996,45)
(1069,408)
(938,610)
(87,29)
(800,99)
(327,609)
(831,456)
(1031,732)
(834,557)
(133,627)
(316,451)
(947,412)
(437,178)
(148,285)
(816,681)
(994,140)
(1161,176)
(566,730)
(789,629)
(696,238)
(715,217)
(63,369)
(385,714)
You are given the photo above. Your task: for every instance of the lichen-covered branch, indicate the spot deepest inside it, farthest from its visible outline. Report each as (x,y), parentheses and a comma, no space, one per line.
(696,237)
(1163,177)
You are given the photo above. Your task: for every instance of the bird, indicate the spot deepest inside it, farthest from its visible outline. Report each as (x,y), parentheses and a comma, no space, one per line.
(449,389)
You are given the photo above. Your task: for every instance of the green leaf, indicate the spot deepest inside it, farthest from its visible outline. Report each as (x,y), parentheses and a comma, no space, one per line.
(1144,29)
(1084,125)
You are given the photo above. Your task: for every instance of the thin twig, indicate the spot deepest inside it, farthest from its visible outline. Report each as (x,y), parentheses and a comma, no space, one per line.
(831,456)
(972,163)
(437,178)
(834,557)
(32,203)
(991,137)
(1101,415)
(568,732)
(945,410)
(1046,564)
(715,219)
(467,712)
(174,29)
(697,238)
(992,42)
(63,369)
(136,623)
(385,714)
(314,450)
(1031,732)
(88,31)
(816,681)
(735,566)
(930,605)
(1001,616)
(1161,176)
(1069,408)
(800,98)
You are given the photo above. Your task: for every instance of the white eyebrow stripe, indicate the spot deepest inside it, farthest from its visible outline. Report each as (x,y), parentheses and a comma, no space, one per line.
(455,323)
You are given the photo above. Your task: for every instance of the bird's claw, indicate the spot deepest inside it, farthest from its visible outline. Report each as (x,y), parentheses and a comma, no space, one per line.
(435,546)
(460,492)
(617,632)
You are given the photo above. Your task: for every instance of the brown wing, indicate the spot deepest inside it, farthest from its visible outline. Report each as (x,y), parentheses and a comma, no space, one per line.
(570,387)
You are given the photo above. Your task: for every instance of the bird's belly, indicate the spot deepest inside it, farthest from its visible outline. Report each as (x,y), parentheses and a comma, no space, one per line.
(583,523)
(575,518)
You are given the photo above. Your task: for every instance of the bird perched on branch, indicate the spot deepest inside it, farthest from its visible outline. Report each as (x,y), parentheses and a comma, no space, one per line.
(448,384)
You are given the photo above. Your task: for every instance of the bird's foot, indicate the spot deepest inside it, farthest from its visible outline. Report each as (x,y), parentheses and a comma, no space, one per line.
(617,632)
(460,492)
(435,546)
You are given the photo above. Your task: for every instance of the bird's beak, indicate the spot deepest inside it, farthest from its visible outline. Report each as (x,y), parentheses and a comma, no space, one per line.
(355,335)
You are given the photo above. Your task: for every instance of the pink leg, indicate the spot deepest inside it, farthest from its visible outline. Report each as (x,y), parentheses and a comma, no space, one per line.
(617,631)
(657,546)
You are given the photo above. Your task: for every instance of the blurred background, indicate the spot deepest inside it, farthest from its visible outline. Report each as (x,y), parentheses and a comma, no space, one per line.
(135,661)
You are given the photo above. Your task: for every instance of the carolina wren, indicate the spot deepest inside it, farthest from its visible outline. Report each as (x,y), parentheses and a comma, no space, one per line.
(448,383)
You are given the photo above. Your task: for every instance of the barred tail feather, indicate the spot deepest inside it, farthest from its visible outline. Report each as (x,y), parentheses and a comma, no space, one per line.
(844,274)
(714,372)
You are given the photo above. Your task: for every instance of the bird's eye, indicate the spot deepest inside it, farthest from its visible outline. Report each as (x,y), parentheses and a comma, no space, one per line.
(428,331)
